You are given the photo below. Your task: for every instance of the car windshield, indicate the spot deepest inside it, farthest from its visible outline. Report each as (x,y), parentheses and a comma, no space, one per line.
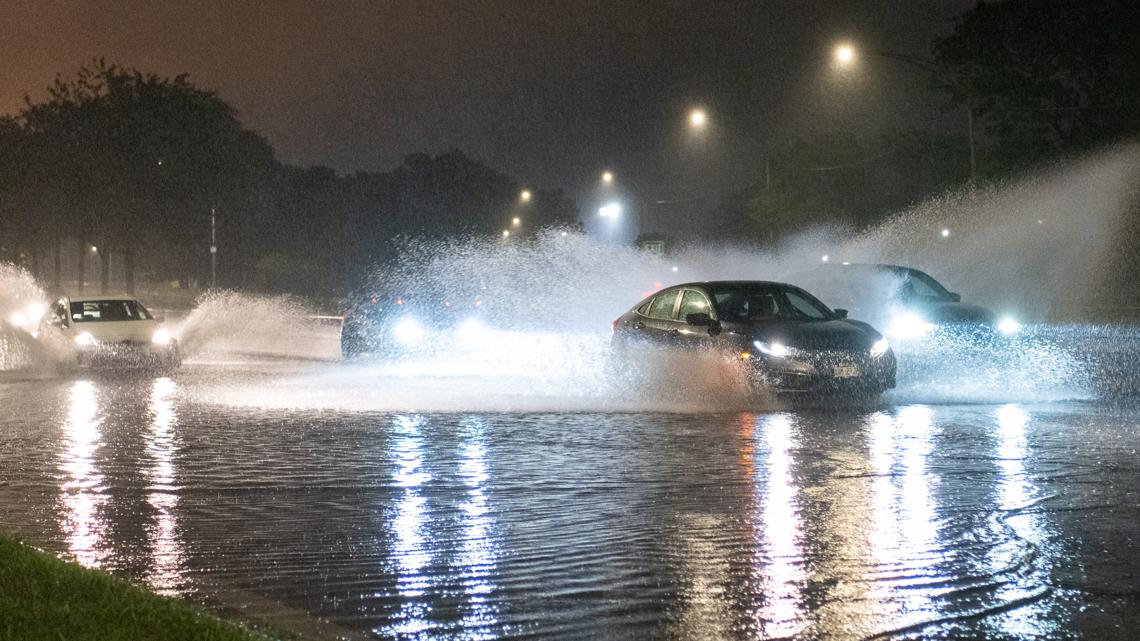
(747,303)
(89,311)
(917,283)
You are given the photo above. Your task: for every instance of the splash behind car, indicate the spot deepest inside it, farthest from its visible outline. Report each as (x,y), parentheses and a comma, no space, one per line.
(108,332)
(788,339)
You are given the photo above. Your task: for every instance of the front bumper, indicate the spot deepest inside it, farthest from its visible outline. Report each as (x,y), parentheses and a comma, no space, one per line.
(826,371)
(128,354)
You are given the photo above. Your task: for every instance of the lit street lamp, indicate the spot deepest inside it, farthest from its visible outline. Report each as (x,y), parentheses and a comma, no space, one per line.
(506,233)
(607,177)
(845,54)
(697,118)
(525,195)
(515,221)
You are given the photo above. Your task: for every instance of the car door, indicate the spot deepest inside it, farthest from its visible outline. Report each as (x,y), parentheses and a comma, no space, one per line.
(693,301)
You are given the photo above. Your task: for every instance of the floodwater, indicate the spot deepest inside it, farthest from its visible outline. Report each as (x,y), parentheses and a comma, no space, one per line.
(510,489)
(905,519)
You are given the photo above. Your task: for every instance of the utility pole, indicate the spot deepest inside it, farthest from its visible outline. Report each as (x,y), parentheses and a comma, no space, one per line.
(213,248)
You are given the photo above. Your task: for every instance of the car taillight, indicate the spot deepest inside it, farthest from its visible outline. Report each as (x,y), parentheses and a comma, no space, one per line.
(613,325)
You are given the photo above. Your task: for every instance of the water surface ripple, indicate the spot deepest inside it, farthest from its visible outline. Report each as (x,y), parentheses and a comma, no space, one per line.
(913,521)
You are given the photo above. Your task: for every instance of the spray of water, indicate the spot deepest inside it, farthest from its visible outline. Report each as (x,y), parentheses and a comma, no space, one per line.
(550,301)
(545,307)
(227,324)
(22,303)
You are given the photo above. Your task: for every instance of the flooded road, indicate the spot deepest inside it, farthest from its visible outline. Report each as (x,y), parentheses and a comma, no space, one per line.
(903,520)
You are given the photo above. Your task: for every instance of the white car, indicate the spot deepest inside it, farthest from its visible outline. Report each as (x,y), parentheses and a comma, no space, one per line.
(108,331)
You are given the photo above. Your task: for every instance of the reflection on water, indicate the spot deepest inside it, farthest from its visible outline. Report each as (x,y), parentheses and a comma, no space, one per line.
(783,573)
(1016,493)
(166,571)
(83,496)
(428,562)
(478,553)
(905,522)
(408,525)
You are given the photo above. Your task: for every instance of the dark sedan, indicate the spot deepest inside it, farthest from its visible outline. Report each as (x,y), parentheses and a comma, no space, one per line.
(904,301)
(788,339)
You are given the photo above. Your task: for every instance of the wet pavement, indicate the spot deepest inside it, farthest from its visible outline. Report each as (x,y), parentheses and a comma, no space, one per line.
(902,520)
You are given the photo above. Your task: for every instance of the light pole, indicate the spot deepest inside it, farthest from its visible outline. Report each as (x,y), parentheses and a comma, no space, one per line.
(213,249)
(846,56)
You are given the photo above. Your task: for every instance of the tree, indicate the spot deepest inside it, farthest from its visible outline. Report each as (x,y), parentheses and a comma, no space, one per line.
(1047,77)
(132,160)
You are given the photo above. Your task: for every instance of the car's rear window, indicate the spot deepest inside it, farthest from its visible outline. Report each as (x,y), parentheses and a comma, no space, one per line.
(108,310)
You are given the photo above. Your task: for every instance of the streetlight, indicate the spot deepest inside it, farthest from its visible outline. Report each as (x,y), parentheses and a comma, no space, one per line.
(697,119)
(525,195)
(506,233)
(607,177)
(846,54)
(945,233)
(515,221)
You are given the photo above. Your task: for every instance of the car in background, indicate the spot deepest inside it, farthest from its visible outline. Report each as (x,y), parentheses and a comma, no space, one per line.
(392,326)
(108,332)
(905,301)
(787,339)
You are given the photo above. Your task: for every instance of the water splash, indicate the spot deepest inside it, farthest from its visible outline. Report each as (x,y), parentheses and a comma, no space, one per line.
(232,323)
(22,303)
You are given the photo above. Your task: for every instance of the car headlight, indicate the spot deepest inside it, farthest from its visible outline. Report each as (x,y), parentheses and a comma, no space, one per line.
(909,326)
(161,337)
(775,350)
(85,340)
(1008,326)
(472,330)
(408,331)
(880,347)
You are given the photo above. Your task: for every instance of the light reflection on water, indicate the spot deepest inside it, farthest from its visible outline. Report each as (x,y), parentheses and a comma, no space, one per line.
(83,496)
(782,568)
(839,524)
(478,553)
(165,575)
(1017,492)
(411,550)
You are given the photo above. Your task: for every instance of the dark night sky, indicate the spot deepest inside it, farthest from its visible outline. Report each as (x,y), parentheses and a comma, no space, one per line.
(549,92)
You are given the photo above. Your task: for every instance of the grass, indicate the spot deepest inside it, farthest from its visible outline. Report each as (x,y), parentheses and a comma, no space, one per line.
(42,597)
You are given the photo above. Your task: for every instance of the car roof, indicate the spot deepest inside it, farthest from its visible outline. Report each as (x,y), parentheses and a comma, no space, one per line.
(101,297)
(885,267)
(733,283)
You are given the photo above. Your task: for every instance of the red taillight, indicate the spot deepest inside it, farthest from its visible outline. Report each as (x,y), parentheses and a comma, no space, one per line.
(613,325)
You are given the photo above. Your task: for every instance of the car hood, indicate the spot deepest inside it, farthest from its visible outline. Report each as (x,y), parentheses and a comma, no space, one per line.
(814,335)
(116,331)
(949,313)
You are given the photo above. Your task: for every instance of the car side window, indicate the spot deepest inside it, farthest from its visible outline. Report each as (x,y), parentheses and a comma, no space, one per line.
(643,308)
(693,302)
(662,306)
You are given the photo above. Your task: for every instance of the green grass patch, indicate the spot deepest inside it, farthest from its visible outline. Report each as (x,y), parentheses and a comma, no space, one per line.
(42,597)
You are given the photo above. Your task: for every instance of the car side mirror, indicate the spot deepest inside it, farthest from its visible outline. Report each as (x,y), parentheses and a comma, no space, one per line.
(957,298)
(700,319)
(840,313)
